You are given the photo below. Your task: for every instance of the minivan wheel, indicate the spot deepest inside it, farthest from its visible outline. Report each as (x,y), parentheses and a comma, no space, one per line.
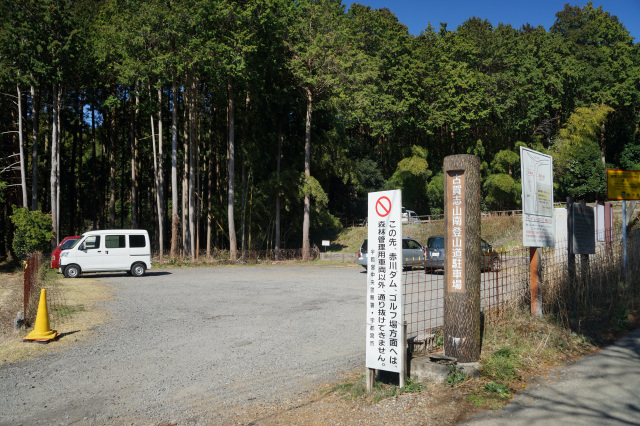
(138,270)
(72,271)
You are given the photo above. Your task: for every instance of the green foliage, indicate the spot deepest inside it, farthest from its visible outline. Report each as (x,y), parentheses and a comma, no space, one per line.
(502,390)
(456,375)
(502,192)
(502,365)
(505,161)
(33,231)
(412,387)
(411,177)
(585,124)
(435,193)
(377,95)
(630,157)
(578,155)
(309,186)
(368,176)
(3,187)
(580,173)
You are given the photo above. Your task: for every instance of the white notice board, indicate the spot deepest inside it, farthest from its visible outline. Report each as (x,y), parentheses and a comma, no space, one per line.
(385,311)
(537,198)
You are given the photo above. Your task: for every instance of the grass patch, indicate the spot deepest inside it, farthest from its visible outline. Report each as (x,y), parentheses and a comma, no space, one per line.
(66,310)
(517,347)
(357,389)
(502,365)
(72,307)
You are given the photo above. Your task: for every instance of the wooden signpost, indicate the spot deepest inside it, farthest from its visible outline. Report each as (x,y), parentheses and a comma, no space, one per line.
(463,256)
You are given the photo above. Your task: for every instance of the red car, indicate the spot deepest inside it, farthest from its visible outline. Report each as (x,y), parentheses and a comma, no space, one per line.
(65,244)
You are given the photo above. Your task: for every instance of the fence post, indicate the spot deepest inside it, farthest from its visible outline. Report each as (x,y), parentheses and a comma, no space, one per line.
(26,288)
(624,238)
(584,261)
(571,258)
(535,266)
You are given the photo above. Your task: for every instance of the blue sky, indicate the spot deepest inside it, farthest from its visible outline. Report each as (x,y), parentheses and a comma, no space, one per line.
(416,14)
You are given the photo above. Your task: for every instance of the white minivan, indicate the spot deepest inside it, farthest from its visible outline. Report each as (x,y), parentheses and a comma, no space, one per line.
(113,250)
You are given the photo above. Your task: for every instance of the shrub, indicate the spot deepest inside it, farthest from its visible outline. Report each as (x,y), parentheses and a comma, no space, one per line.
(33,231)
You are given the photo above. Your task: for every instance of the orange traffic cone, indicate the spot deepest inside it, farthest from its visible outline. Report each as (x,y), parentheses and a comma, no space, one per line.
(42,331)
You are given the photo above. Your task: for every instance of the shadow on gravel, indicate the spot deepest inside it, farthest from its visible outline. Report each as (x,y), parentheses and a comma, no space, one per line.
(124,274)
(68,333)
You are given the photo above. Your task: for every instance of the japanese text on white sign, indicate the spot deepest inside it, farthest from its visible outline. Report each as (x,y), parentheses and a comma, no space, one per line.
(384,282)
(537,198)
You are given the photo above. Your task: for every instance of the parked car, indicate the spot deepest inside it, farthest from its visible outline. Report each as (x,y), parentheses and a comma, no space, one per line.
(114,250)
(412,253)
(409,216)
(434,255)
(64,245)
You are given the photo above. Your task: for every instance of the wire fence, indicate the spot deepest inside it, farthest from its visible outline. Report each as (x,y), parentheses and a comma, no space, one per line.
(571,289)
(33,285)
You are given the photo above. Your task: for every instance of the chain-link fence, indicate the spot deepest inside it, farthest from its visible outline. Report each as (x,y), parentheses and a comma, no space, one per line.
(573,290)
(34,269)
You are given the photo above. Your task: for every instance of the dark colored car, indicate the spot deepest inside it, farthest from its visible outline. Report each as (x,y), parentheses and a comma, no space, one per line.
(434,255)
(64,245)
(412,253)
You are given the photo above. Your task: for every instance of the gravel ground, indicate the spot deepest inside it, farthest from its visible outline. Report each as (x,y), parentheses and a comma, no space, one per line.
(198,346)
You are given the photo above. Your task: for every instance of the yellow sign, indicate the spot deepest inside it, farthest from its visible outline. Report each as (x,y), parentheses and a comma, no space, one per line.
(623,184)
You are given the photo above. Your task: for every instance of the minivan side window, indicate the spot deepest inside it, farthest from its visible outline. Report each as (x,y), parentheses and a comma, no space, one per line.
(137,241)
(92,242)
(114,241)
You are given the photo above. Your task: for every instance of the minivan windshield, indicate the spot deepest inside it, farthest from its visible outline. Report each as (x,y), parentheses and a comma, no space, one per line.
(435,243)
(76,242)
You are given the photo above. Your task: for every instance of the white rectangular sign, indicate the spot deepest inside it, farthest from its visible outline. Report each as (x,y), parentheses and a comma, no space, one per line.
(384,337)
(537,198)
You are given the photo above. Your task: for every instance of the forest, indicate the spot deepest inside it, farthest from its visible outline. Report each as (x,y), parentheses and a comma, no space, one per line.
(234,125)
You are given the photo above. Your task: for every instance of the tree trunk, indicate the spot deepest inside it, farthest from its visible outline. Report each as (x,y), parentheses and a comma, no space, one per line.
(160,188)
(81,206)
(35,119)
(192,168)
(307,171)
(185,176)
(23,165)
(54,166)
(134,160)
(175,220)
(233,248)
(209,190)
(278,158)
(462,204)
(243,206)
(71,175)
(112,168)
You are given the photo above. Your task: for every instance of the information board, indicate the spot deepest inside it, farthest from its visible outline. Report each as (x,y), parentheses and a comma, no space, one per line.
(537,198)
(584,235)
(384,338)
(623,184)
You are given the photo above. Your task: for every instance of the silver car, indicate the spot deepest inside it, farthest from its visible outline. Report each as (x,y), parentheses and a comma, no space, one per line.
(412,254)
(434,253)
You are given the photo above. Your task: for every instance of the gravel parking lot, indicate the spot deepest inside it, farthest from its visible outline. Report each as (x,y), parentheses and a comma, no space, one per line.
(188,345)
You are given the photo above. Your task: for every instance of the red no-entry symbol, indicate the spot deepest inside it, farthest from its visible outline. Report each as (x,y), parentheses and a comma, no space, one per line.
(383,206)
